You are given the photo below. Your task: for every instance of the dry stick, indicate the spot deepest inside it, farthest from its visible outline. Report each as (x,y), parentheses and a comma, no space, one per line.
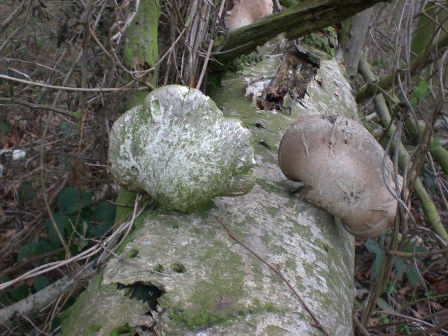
(280,274)
(68,88)
(360,326)
(19,10)
(432,330)
(209,50)
(415,320)
(127,23)
(418,255)
(30,261)
(13,100)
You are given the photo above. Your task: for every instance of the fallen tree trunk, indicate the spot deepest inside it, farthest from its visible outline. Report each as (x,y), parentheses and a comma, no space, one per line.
(181,274)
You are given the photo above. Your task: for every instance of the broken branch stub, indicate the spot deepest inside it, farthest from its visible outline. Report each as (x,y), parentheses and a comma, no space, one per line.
(341,166)
(180,149)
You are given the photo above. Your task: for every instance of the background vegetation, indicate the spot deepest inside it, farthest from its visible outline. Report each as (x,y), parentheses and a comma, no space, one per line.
(66,75)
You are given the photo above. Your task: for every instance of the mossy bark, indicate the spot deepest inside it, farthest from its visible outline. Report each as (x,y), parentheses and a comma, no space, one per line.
(299,20)
(140,50)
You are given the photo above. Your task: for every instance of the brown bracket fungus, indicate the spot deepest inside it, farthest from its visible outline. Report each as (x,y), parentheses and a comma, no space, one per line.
(341,167)
(179,148)
(245,12)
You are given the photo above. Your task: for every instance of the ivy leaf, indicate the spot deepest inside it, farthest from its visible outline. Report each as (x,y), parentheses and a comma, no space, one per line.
(105,213)
(40,282)
(71,200)
(27,251)
(62,224)
(20,292)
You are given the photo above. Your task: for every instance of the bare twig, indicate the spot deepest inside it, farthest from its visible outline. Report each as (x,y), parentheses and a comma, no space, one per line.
(74,115)
(68,88)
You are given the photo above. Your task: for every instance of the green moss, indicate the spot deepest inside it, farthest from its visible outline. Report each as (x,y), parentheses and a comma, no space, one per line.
(159,268)
(239,63)
(126,198)
(178,267)
(267,186)
(202,318)
(197,320)
(138,224)
(132,254)
(204,208)
(94,329)
(214,82)
(141,48)
(325,43)
(125,330)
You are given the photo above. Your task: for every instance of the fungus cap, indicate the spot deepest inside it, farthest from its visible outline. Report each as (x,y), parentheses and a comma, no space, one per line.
(341,166)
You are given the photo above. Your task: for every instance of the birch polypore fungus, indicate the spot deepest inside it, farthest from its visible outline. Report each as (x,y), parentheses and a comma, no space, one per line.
(245,12)
(341,166)
(179,148)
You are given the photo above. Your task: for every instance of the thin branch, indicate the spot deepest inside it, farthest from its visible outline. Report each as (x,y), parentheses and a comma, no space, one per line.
(418,255)
(74,115)
(68,88)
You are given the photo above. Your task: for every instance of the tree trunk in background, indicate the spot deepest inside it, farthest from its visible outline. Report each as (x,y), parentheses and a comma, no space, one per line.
(352,40)
(140,50)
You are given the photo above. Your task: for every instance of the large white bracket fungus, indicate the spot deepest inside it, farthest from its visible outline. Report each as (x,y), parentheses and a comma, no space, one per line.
(180,149)
(341,167)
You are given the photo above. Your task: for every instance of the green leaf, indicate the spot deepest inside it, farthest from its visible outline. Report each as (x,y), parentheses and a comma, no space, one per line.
(434,144)
(27,251)
(62,224)
(100,229)
(373,246)
(376,266)
(4,128)
(67,129)
(105,212)
(413,274)
(412,248)
(82,225)
(421,90)
(20,292)
(399,267)
(378,63)
(414,101)
(43,246)
(71,200)
(40,282)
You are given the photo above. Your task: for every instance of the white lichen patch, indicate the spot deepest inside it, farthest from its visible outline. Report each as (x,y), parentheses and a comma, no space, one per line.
(180,149)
